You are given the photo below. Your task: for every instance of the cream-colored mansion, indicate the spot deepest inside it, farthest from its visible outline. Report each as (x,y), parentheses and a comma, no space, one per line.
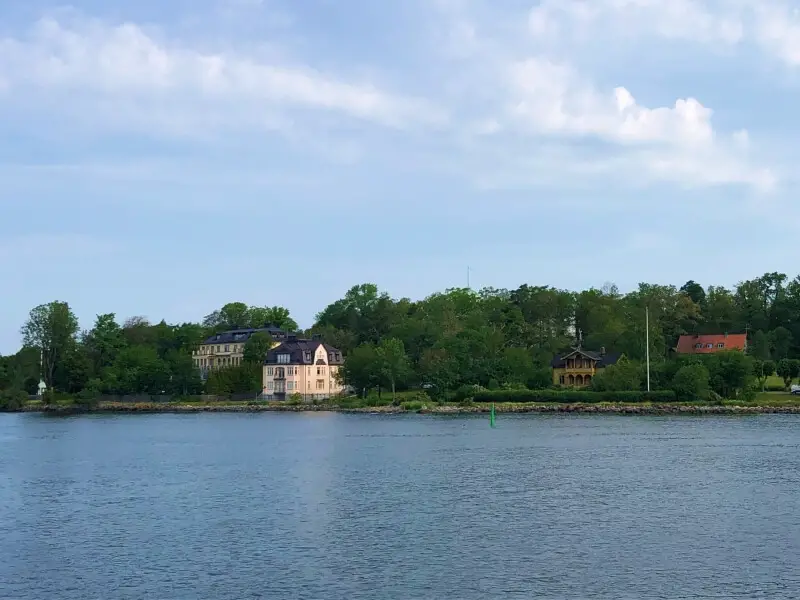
(305,367)
(226,349)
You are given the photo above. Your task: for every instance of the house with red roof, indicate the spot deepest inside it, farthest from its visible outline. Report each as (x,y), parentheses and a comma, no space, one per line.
(708,344)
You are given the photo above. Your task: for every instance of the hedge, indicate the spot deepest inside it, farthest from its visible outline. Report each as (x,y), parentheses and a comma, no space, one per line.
(572,396)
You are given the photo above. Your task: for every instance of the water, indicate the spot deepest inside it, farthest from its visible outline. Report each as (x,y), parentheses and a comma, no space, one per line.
(329,506)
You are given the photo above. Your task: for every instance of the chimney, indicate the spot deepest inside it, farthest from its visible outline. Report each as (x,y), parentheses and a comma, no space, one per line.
(726,334)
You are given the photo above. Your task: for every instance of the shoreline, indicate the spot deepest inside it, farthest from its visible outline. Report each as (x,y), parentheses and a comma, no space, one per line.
(618,409)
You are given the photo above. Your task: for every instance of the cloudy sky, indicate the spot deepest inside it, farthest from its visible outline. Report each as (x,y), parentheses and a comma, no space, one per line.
(163,158)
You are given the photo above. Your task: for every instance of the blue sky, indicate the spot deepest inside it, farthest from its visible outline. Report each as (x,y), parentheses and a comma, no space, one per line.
(164,158)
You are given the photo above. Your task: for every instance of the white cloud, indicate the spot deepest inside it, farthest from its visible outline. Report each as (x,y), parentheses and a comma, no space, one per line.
(676,19)
(162,79)
(539,100)
(553,98)
(771,25)
(547,101)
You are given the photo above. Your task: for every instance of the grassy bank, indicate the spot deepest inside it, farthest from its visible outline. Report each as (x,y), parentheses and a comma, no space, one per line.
(761,404)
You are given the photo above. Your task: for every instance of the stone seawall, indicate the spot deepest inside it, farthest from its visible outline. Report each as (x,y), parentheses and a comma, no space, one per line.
(435,409)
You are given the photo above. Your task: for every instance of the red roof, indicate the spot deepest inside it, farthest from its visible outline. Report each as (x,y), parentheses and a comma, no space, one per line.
(688,344)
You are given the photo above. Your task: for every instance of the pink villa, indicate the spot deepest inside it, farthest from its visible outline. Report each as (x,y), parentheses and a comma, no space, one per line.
(305,367)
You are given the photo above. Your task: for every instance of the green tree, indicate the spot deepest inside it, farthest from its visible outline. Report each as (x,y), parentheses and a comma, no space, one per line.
(691,382)
(362,368)
(625,375)
(103,342)
(731,372)
(759,346)
(763,369)
(788,369)
(52,329)
(256,348)
(393,362)
(695,292)
(781,339)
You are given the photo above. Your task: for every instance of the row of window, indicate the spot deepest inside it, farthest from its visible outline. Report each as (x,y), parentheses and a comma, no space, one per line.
(219,362)
(227,348)
(288,371)
(292,386)
(699,346)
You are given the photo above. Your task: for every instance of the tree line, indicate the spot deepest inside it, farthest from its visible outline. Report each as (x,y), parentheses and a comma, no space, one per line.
(460,337)
(134,357)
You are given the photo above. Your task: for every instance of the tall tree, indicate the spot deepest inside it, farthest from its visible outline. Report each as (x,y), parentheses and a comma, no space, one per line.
(256,348)
(695,292)
(759,347)
(393,363)
(104,342)
(52,329)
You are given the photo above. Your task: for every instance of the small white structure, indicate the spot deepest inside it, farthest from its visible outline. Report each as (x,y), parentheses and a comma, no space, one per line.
(42,388)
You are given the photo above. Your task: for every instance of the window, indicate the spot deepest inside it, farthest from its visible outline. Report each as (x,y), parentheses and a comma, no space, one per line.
(269,385)
(218,348)
(289,386)
(309,370)
(721,345)
(709,345)
(270,371)
(320,384)
(227,348)
(308,356)
(283,359)
(561,380)
(320,370)
(698,346)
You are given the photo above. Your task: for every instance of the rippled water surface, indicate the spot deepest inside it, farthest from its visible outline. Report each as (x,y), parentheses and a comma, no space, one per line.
(329,506)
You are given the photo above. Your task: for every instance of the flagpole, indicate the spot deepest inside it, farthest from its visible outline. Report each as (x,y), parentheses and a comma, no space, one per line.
(647,337)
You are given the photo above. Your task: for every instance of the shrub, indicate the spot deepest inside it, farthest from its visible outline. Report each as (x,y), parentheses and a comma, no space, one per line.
(416,401)
(573,396)
(12,399)
(295,399)
(691,383)
(467,391)
(412,405)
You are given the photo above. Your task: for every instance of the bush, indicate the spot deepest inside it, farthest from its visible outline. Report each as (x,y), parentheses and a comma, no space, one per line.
(12,399)
(412,405)
(416,401)
(295,399)
(573,396)
(465,392)
(691,383)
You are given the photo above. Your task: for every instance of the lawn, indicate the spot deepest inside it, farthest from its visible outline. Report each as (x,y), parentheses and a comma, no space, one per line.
(774,381)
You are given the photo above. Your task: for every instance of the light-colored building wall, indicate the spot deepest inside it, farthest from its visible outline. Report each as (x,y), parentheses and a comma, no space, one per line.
(314,381)
(216,356)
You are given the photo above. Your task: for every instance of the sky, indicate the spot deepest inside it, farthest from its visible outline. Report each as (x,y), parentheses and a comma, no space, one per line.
(164,158)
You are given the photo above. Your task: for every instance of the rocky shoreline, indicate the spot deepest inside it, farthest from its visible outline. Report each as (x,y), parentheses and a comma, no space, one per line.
(434,409)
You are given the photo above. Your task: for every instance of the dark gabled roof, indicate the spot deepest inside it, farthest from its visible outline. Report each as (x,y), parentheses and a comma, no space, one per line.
(242,335)
(603,359)
(298,349)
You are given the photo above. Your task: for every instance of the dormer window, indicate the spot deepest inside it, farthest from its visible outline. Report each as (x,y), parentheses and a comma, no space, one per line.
(698,346)
(721,345)
(283,359)
(308,356)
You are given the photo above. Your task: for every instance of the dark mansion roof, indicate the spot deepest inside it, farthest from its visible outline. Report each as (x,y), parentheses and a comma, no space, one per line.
(242,335)
(302,352)
(603,359)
